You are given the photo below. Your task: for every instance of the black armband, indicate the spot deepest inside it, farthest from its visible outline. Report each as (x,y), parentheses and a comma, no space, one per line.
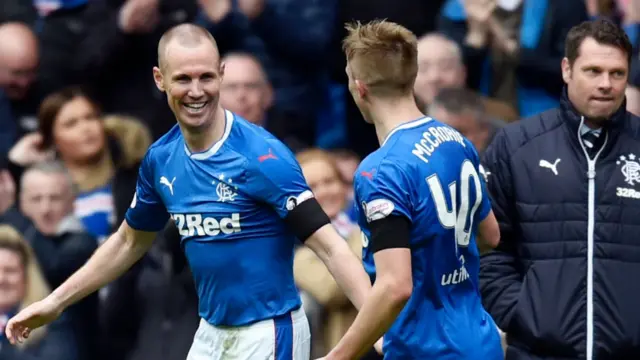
(390,232)
(306,218)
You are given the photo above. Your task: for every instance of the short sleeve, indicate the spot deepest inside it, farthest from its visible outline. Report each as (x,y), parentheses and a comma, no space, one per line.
(276,179)
(383,191)
(147,212)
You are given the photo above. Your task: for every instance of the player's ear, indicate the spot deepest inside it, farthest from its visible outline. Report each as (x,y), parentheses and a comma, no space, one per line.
(158,78)
(222,67)
(566,70)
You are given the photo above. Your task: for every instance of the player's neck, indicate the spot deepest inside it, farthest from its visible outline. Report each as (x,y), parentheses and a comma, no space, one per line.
(387,115)
(203,140)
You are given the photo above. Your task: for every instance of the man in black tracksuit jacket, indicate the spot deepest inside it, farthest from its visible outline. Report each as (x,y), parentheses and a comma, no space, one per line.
(565,186)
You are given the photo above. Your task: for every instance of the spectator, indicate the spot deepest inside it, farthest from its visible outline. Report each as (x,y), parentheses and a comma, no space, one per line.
(624,12)
(245,88)
(118,50)
(60,243)
(464,111)
(512,48)
(347,162)
(440,65)
(18,63)
(102,156)
(633,87)
(290,38)
(633,99)
(564,187)
(21,284)
(59,26)
(312,277)
(246,91)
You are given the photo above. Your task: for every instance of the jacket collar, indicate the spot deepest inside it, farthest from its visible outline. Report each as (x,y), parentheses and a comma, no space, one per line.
(573,117)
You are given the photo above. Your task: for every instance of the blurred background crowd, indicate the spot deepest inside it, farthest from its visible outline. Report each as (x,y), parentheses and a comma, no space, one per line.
(79,108)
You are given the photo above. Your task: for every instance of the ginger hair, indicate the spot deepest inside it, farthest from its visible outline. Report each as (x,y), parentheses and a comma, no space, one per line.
(382,55)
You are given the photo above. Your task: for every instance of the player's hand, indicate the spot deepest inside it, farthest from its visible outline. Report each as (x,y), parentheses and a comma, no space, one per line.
(28,151)
(139,16)
(7,191)
(216,10)
(34,316)
(251,8)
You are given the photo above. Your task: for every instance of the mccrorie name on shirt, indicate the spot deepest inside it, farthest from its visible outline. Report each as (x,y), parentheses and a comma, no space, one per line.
(433,138)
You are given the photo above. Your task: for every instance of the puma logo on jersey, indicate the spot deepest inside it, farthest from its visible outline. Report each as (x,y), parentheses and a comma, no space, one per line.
(196,224)
(165,181)
(550,166)
(267,156)
(368,174)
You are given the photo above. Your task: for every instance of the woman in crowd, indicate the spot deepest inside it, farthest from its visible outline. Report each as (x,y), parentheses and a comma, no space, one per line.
(312,277)
(21,284)
(102,155)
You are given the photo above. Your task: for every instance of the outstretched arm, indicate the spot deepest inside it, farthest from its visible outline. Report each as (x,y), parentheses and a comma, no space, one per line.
(123,249)
(112,259)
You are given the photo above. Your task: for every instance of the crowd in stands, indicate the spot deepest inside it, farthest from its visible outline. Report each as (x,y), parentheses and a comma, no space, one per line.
(79,108)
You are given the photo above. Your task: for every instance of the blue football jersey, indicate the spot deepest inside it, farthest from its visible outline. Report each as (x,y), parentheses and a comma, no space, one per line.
(429,173)
(228,204)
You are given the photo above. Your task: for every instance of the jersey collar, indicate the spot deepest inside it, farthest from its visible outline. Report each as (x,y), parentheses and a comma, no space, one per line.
(407,125)
(228,117)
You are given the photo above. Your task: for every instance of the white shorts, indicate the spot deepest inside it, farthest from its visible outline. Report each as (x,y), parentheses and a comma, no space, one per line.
(284,338)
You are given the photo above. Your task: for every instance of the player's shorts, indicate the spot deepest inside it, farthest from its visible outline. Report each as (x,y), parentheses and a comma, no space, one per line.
(286,337)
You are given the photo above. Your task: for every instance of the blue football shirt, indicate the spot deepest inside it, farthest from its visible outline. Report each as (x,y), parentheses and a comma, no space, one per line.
(429,173)
(228,204)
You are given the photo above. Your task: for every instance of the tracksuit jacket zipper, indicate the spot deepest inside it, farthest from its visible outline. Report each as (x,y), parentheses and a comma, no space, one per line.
(591,175)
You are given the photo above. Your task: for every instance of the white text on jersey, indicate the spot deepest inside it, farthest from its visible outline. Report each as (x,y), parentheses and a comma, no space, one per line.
(433,138)
(457,276)
(195,224)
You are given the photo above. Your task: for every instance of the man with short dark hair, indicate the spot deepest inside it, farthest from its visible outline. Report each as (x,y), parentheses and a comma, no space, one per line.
(565,187)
